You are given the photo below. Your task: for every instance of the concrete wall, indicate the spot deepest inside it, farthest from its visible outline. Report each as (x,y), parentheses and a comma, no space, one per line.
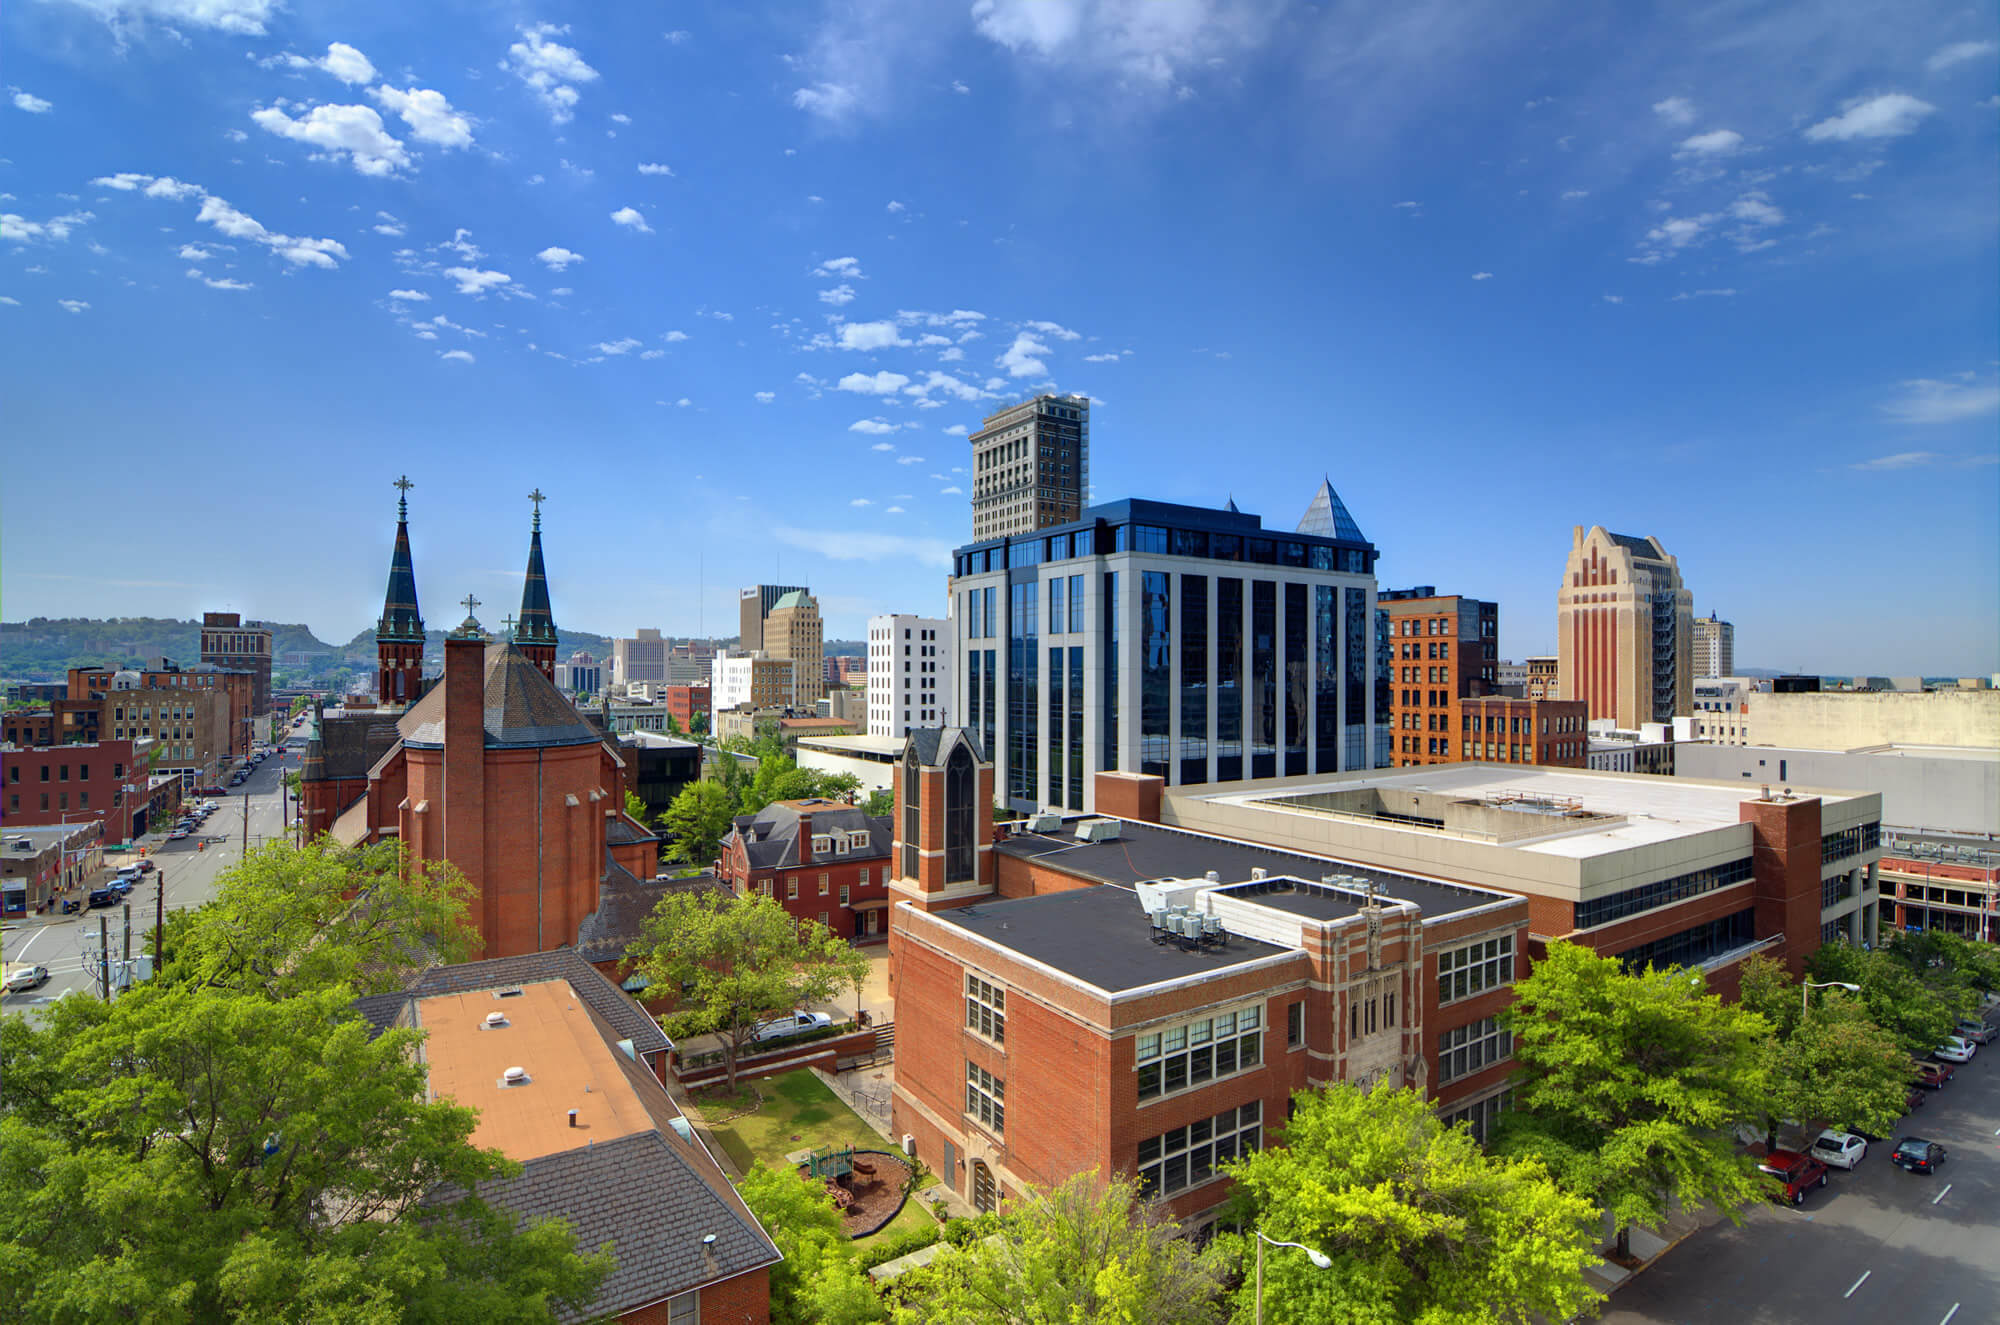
(1845,721)
(1918,791)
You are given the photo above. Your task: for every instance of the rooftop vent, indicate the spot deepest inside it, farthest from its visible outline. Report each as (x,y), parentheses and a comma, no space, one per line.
(1097,830)
(508,993)
(1257,871)
(1047,821)
(1213,876)
(514,1076)
(495,1020)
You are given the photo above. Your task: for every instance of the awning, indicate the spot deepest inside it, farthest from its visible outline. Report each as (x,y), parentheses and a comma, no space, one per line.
(873,904)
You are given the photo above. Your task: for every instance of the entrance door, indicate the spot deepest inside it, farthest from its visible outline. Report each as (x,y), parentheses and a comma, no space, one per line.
(950,1174)
(985,1195)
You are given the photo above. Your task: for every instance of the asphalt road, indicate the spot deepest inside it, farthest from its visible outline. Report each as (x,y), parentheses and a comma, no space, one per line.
(1874,1245)
(60,942)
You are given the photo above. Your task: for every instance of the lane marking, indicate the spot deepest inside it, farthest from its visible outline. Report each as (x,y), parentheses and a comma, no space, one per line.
(1941,1195)
(1949,1314)
(1857,1283)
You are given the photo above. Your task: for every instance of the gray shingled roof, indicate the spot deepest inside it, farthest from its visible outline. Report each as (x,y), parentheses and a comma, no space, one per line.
(641,1194)
(623,903)
(380,1011)
(1638,547)
(350,744)
(624,1016)
(771,836)
(523,708)
(930,740)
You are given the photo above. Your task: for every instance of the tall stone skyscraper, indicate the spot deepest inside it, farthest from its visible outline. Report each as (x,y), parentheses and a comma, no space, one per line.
(1625,629)
(1030,466)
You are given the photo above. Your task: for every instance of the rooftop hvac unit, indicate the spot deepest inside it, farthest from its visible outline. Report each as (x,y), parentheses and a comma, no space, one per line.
(909,1144)
(1047,821)
(1257,872)
(1097,830)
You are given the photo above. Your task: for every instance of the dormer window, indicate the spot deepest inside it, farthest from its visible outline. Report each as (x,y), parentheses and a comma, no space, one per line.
(822,843)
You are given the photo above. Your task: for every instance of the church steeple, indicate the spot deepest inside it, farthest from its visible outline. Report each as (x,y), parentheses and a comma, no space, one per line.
(535,631)
(399,635)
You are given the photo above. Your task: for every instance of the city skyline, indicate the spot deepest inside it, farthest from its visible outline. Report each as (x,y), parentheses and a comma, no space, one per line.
(1727,280)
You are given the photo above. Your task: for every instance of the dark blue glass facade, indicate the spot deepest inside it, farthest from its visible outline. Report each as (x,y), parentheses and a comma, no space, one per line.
(1156,672)
(1297,690)
(1228,679)
(1263,678)
(1023,703)
(1194,678)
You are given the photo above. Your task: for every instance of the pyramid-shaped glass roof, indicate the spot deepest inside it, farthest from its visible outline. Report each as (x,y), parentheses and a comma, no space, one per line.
(1328,518)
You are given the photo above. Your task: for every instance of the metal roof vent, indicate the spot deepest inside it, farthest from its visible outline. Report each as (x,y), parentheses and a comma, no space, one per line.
(1257,871)
(495,1020)
(514,1076)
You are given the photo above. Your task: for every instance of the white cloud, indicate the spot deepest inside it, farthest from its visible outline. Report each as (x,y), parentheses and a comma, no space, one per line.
(1901,460)
(682,403)
(457,356)
(765,397)
(840,268)
(1057,330)
(1926,400)
(959,87)
(892,510)
(1677,111)
(1020,358)
(1756,208)
(31,103)
(236,135)
(1890,115)
(953,491)
(870,336)
(654,168)
(1410,206)
(852,545)
(625,346)
(1571,195)
(883,446)
(410,296)
(619,117)
(652,354)
(10,301)
(220,282)
(629,216)
(677,36)
(195,253)
(353,132)
(873,384)
(1110,356)
(430,117)
(1716,142)
(340,60)
(829,101)
(952,355)
(557,259)
(877,427)
(72,305)
(562,292)
(839,295)
(895,206)
(910,460)
(947,384)
(242,17)
(1959,52)
(472,281)
(956,430)
(1614,298)
(549,68)
(21,230)
(386,224)
(1482,276)
(1140,45)
(861,501)
(674,337)
(1702,294)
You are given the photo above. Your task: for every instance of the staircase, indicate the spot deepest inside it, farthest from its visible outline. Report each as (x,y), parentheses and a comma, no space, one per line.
(885,1040)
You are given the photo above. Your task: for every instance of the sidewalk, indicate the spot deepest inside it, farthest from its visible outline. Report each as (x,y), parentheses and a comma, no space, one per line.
(1648,1246)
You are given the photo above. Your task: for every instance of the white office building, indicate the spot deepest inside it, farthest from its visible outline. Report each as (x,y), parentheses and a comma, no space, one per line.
(1173,640)
(909,674)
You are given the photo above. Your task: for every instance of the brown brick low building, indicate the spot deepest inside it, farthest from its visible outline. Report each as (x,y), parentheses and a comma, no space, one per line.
(105,781)
(821,859)
(1496,729)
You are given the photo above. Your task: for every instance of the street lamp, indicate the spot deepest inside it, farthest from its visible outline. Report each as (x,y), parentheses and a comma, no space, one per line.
(1319,1260)
(1805,992)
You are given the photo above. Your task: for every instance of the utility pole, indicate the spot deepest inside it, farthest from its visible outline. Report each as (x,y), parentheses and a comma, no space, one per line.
(104,958)
(160,924)
(127,969)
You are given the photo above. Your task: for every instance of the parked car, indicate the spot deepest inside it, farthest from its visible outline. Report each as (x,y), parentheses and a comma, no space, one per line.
(103,897)
(1955,1050)
(1917,1155)
(777,1028)
(1931,1076)
(1838,1150)
(1976,1031)
(177,835)
(1914,1099)
(211,791)
(145,867)
(23,978)
(1796,1174)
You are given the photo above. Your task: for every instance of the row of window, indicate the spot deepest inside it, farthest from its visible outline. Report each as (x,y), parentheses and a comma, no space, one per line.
(985,1098)
(1631,901)
(1199,1052)
(1190,1156)
(1693,946)
(1835,890)
(1161,541)
(1849,842)
(1464,1050)
(985,1009)
(1481,1115)
(1475,968)
(792,888)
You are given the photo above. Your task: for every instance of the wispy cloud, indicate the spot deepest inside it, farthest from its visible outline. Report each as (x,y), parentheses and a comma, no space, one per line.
(1891,115)
(1959,52)
(1928,400)
(631,218)
(1677,111)
(853,545)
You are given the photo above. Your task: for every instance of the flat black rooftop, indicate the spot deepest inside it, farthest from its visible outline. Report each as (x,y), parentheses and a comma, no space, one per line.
(1100,936)
(1145,852)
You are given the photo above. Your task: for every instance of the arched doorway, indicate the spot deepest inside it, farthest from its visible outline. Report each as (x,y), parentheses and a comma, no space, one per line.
(985,1192)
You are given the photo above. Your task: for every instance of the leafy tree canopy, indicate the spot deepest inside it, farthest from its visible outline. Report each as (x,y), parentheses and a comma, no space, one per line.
(1830,1065)
(740,961)
(697,820)
(1421,1224)
(818,1282)
(1631,1085)
(1087,1251)
(1917,1003)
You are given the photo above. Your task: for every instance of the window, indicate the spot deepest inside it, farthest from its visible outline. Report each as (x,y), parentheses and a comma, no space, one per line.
(1295,1024)
(766,887)
(792,888)
(1191,1155)
(985,1098)
(684,1309)
(843,894)
(1199,1052)
(1475,968)
(985,1009)
(1480,1115)
(1468,1049)
(824,883)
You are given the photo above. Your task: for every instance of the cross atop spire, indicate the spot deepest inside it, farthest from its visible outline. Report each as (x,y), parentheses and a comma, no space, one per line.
(400,621)
(403,498)
(470,603)
(508,622)
(538,497)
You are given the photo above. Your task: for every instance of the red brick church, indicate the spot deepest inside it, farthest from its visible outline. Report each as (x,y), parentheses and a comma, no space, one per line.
(488,767)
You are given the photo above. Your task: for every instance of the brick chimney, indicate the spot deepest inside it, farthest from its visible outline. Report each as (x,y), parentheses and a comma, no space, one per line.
(465,769)
(805,838)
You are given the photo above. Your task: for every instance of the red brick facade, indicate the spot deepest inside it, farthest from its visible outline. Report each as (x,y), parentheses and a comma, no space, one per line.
(1439,655)
(1497,729)
(684,702)
(75,783)
(848,893)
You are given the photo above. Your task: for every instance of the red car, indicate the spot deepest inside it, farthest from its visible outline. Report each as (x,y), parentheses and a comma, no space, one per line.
(1796,1174)
(1932,1076)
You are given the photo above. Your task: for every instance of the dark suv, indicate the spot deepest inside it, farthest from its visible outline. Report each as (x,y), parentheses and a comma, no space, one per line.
(1917,1155)
(1796,1174)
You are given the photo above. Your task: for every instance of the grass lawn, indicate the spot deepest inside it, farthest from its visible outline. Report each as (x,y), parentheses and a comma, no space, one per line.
(798,1113)
(912,1215)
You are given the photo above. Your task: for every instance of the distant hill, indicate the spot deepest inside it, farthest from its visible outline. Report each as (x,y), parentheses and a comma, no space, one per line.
(361,649)
(45,648)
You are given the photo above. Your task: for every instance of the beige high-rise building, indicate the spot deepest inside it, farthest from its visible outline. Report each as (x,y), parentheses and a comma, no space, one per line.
(1625,629)
(641,659)
(1714,647)
(792,632)
(1030,466)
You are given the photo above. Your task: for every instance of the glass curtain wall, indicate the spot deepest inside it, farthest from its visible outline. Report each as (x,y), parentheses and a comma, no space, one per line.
(1355,691)
(1075,726)
(1155,673)
(1326,679)
(1023,699)
(1297,696)
(1194,679)
(1109,760)
(1264,678)
(1228,680)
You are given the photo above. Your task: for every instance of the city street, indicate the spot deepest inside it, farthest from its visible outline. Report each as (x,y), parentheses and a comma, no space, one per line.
(1876,1244)
(60,942)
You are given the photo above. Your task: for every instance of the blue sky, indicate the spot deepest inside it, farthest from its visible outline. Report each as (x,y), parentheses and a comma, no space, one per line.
(730,283)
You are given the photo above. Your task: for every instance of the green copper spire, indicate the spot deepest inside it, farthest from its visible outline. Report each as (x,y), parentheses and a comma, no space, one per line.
(537,624)
(400,619)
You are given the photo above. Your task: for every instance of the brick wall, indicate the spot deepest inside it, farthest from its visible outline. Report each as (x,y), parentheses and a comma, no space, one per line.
(1785,858)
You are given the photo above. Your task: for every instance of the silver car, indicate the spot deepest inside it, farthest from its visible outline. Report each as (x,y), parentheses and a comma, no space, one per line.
(1838,1150)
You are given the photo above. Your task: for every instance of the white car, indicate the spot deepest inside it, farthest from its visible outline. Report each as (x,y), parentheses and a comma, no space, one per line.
(23,978)
(1955,1050)
(1838,1150)
(777,1028)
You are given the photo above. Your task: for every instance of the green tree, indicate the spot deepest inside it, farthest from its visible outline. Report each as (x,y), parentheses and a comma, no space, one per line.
(195,1152)
(288,919)
(1630,1085)
(881,803)
(698,820)
(1086,1251)
(817,1282)
(698,724)
(1830,1065)
(1420,1223)
(1918,1005)
(740,961)
(636,811)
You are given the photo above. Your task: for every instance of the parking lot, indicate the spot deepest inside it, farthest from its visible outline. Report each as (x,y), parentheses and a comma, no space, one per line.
(1877,1244)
